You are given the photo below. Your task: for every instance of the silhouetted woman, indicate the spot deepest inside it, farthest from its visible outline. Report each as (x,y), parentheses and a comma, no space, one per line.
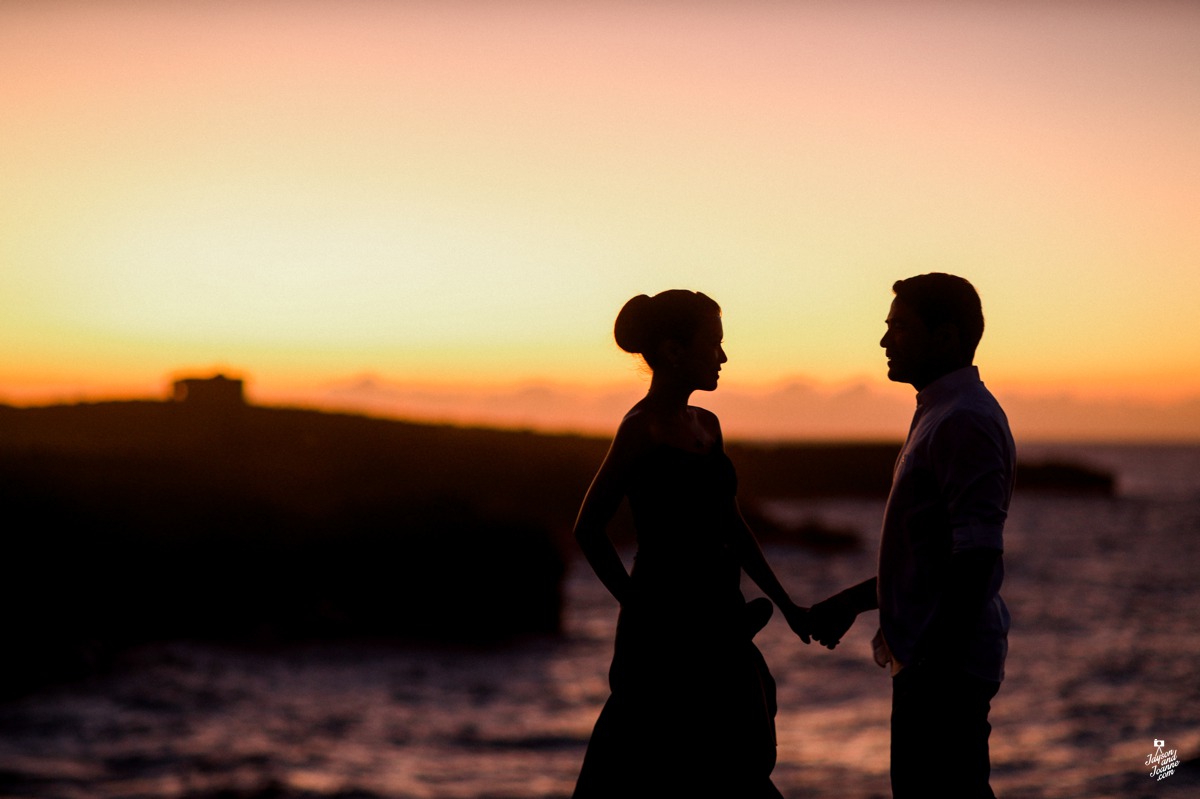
(692,707)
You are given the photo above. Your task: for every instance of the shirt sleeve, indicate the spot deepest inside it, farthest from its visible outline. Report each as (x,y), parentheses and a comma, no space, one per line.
(973,463)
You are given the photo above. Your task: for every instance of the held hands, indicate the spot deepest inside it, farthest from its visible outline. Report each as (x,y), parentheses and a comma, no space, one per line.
(829,620)
(826,622)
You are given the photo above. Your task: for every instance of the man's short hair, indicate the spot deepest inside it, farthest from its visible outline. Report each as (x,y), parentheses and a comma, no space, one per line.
(938,299)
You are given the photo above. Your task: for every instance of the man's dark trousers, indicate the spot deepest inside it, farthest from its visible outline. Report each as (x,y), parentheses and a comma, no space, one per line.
(940,733)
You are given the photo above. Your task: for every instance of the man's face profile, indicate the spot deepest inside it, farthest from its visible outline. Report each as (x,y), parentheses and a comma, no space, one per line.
(911,349)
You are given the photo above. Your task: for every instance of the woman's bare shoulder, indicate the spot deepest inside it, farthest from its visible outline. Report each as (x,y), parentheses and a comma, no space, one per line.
(638,425)
(707,420)
(637,432)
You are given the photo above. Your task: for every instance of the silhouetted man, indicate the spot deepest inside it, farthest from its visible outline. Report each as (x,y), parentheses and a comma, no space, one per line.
(943,626)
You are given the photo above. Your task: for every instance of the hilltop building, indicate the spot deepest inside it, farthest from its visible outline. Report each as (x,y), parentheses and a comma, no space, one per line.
(211,392)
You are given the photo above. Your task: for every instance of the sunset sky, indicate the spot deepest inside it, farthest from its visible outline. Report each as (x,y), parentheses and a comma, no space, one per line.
(459,196)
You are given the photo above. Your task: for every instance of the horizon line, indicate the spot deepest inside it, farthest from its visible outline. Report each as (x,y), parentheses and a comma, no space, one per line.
(556,430)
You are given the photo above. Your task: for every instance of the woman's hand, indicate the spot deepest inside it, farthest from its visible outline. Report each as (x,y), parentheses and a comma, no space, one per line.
(797,619)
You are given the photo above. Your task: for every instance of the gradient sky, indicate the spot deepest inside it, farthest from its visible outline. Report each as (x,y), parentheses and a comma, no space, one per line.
(466,192)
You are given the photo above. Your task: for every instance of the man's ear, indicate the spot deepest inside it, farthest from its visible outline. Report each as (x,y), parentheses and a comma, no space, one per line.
(948,339)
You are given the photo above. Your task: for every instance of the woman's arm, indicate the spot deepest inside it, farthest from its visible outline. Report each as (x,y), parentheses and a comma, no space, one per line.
(751,558)
(600,504)
(754,563)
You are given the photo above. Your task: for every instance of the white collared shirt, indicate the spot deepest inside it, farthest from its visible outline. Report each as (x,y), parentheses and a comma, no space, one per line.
(950,493)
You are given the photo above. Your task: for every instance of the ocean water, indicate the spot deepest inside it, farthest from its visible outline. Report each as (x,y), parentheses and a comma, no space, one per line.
(1103,662)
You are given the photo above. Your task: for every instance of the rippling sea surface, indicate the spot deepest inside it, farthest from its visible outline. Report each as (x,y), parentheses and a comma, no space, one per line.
(1103,662)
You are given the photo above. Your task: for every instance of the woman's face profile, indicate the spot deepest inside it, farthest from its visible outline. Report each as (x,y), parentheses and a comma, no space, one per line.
(700,361)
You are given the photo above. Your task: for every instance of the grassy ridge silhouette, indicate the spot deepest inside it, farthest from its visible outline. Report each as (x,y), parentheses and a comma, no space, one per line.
(136,521)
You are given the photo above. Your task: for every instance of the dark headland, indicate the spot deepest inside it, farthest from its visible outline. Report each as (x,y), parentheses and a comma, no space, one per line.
(128,522)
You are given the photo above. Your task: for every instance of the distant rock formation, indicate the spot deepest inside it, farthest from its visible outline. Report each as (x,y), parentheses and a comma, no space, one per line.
(1058,476)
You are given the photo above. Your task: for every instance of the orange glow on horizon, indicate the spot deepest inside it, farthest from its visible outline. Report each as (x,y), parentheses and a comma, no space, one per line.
(462,195)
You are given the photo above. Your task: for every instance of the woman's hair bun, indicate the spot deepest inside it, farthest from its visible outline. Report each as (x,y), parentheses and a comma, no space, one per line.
(633,326)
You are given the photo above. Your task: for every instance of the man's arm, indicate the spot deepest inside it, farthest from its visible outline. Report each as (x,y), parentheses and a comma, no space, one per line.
(968,588)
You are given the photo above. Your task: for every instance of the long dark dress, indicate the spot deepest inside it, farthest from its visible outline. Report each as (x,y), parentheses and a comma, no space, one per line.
(692,707)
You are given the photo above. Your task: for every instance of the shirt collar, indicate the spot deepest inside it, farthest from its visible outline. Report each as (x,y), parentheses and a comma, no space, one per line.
(947,386)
